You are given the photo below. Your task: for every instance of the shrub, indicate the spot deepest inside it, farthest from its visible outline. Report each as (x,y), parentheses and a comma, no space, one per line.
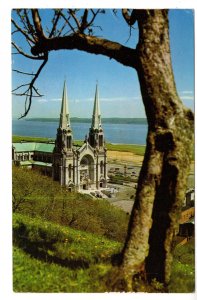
(47,199)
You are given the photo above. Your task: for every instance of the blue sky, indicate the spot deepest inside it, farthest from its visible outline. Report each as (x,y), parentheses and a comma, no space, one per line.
(118,85)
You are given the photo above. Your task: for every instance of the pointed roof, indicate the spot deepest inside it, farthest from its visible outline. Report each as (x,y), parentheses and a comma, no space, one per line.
(64,115)
(96,116)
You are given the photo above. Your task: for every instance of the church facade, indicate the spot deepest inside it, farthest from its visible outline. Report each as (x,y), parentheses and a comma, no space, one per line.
(75,167)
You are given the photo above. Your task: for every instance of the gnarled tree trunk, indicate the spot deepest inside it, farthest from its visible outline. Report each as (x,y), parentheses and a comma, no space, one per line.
(163,177)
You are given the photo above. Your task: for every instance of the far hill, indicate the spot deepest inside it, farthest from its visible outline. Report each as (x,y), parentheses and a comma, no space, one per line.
(88,120)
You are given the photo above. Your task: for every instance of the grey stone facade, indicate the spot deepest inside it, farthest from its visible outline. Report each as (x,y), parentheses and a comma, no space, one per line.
(84,167)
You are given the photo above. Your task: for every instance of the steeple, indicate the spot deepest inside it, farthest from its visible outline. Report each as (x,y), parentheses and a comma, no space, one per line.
(64,133)
(64,115)
(96,116)
(96,137)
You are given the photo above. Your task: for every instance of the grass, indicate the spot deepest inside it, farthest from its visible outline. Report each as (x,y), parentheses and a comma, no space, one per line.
(33,275)
(183,269)
(18,139)
(52,258)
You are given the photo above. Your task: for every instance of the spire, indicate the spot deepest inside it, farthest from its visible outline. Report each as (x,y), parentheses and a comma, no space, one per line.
(96,117)
(64,115)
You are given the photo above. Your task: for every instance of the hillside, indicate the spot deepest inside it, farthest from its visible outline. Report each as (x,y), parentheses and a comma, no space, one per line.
(65,242)
(71,260)
(52,258)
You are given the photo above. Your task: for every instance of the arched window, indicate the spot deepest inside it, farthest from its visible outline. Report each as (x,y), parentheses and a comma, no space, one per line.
(101,167)
(69,171)
(100,140)
(69,142)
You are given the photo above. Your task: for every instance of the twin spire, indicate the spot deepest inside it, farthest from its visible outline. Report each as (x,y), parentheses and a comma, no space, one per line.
(64,115)
(96,116)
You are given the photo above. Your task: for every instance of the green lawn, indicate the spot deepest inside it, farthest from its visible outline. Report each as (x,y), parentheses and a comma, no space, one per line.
(53,258)
(17,139)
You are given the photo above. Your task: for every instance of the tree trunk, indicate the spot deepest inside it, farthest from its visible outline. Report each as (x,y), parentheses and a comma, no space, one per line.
(163,177)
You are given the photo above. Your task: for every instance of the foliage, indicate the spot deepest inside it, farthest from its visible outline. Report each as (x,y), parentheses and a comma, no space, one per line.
(52,202)
(183,269)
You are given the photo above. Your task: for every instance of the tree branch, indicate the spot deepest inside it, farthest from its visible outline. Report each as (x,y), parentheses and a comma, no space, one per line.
(120,53)
(72,13)
(58,15)
(20,51)
(37,23)
(21,72)
(67,22)
(129,18)
(23,32)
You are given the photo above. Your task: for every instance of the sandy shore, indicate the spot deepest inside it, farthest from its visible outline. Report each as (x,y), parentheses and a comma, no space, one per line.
(121,157)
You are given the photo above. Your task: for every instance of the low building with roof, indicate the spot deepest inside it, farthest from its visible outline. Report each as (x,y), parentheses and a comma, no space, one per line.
(76,168)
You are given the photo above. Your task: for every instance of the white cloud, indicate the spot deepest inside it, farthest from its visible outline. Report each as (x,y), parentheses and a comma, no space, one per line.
(42,100)
(187,97)
(55,99)
(120,99)
(187,92)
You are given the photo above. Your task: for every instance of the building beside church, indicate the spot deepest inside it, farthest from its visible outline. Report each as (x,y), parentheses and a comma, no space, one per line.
(77,168)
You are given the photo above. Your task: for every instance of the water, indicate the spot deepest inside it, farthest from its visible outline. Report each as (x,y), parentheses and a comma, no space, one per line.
(114,133)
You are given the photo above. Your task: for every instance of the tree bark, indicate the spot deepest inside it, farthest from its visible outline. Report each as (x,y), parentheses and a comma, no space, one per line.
(163,177)
(124,55)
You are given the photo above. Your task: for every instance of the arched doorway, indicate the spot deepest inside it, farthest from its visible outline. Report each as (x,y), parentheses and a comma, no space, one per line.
(86,171)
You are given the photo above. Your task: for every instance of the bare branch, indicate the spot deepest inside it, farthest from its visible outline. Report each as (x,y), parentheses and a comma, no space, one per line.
(30,26)
(29,97)
(94,16)
(22,31)
(36,90)
(37,23)
(21,72)
(20,51)
(72,12)
(20,86)
(15,31)
(58,15)
(26,94)
(129,16)
(68,22)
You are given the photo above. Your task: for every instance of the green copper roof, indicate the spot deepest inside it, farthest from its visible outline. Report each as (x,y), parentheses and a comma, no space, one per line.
(26,163)
(42,147)
(31,147)
(24,147)
(35,163)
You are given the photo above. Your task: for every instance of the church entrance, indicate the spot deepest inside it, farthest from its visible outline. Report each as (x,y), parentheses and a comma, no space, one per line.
(86,171)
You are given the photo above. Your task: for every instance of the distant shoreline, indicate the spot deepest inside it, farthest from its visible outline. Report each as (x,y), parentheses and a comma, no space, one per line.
(133,148)
(88,120)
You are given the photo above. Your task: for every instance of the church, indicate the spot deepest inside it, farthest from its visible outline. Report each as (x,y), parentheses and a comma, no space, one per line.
(76,167)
